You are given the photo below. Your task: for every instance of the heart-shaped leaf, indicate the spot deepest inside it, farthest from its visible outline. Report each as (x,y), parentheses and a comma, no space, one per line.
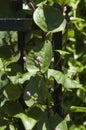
(49,19)
(42,50)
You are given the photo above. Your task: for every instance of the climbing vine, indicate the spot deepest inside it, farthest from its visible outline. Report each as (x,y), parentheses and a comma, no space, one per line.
(47,89)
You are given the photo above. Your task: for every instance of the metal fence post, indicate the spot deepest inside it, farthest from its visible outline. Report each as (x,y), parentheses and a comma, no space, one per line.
(57,41)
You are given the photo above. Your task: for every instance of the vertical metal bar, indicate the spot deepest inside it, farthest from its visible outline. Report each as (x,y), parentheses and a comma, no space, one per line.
(21,47)
(57,40)
(21,38)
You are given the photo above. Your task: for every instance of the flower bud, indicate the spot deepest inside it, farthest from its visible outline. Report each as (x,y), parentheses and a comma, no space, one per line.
(28,94)
(38,58)
(24,58)
(64,8)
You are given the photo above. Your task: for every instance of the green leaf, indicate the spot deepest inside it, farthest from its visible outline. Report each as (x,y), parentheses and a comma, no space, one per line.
(9,10)
(13,69)
(15,74)
(12,92)
(76,19)
(27,121)
(35,112)
(44,50)
(62,52)
(20,78)
(2,127)
(40,2)
(3,122)
(82,94)
(77,109)
(11,127)
(63,79)
(11,108)
(12,59)
(62,2)
(63,124)
(5,52)
(38,91)
(51,123)
(43,123)
(3,79)
(42,17)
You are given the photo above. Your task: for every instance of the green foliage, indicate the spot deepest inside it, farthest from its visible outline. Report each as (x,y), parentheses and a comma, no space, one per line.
(8,10)
(42,17)
(44,50)
(27,94)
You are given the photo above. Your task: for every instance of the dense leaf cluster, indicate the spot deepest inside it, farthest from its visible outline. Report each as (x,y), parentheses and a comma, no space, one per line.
(26,94)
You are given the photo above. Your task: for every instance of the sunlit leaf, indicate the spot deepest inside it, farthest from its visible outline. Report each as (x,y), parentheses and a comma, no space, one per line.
(53,122)
(62,52)
(20,78)
(63,124)
(42,50)
(82,94)
(27,121)
(61,2)
(2,127)
(42,17)
(11,127)
(38,92)
(63,79)
(77,109)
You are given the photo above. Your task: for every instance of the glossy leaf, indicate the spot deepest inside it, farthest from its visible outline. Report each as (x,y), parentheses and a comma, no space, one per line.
(78,109)
(63,124)
(15,74)
(42,17)
(63,79)
(27,121)
(12,59)
(38,91)
(20,78)
(62,52)
(44,50)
